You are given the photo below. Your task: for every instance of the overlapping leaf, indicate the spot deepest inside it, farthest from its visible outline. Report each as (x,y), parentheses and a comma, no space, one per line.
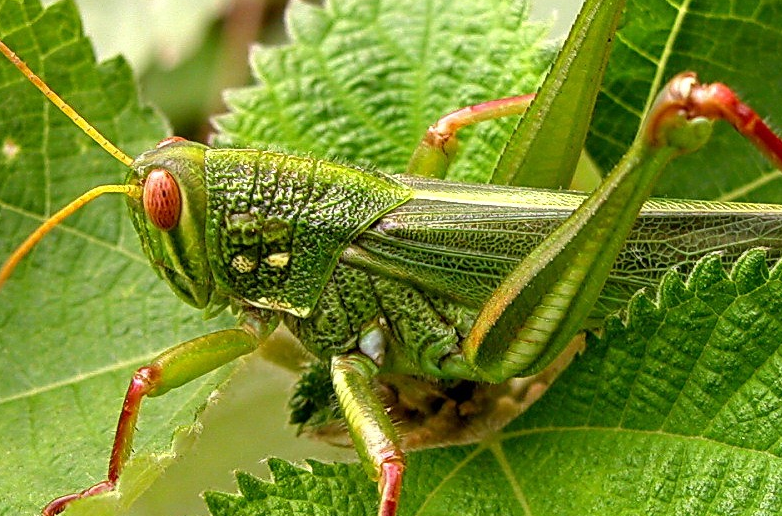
(362,80)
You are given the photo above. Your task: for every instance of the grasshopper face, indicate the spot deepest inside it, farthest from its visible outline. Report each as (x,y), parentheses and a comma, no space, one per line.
(170,217)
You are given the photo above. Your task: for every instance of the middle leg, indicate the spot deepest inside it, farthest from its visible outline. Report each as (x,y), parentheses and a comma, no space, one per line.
(370,427)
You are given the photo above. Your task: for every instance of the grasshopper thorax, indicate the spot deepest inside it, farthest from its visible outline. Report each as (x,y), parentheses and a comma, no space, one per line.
(170,217)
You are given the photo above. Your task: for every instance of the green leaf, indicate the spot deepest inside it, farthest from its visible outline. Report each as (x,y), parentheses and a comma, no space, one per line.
(84,309)
(362,80)
(737,43)
(320,489)
(676,410)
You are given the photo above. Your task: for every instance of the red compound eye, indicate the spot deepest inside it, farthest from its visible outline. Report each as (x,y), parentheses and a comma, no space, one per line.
(168,141)
(161,199)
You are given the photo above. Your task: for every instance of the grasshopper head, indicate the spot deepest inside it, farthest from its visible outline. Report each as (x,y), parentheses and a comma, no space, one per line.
(170,216)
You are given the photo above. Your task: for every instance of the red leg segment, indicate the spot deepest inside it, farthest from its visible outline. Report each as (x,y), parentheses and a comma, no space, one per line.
(171,369)
(390,485)
(144,381)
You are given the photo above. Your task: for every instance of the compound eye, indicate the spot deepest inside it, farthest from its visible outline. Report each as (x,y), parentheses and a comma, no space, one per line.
(162,201)
(169,141)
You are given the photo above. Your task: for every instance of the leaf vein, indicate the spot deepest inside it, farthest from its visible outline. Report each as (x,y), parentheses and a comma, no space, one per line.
(76,379)
(518,492)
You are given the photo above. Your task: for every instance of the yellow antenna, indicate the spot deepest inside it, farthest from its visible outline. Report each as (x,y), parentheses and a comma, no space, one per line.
(54,220)
(64,107)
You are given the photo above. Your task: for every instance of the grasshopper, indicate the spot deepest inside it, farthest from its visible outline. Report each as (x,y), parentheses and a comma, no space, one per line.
(403,275)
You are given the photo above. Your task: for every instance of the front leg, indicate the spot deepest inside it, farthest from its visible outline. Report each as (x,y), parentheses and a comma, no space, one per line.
(171,369)
(372,431)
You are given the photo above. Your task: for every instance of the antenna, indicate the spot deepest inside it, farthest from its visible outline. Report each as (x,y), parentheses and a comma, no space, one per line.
(64,107)
(57,218)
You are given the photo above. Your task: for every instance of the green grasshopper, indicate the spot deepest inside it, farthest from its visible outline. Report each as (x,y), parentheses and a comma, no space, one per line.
(403,275)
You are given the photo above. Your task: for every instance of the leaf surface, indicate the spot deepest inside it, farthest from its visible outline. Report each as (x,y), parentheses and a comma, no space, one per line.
(362,80)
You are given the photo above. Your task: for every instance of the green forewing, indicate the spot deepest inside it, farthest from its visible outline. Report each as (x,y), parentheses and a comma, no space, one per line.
(463,250)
